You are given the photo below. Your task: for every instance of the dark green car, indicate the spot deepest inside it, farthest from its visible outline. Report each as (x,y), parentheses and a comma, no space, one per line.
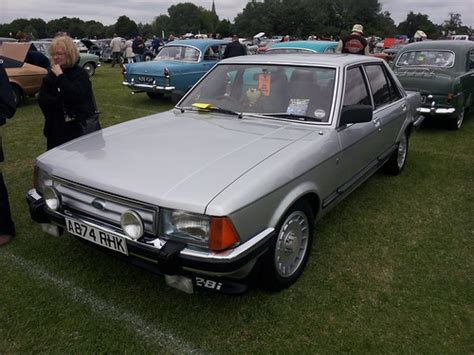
(443,72)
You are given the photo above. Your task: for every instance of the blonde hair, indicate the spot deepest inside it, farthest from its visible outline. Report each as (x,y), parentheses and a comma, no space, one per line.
(66,44)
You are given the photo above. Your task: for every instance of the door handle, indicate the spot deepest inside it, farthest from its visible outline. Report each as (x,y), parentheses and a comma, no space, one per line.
(404,106)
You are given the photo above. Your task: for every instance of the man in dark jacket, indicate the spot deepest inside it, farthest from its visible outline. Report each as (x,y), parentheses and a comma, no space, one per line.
(138,48)
(235,48)
(7,110)
(355,43)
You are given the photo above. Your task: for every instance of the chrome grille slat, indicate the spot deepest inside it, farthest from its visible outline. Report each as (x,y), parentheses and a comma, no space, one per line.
(79,198)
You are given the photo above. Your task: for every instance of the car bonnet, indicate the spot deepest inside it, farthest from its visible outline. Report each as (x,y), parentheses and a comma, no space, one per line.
(174,160)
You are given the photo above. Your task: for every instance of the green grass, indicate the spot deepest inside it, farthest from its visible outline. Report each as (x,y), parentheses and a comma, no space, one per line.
(391,269)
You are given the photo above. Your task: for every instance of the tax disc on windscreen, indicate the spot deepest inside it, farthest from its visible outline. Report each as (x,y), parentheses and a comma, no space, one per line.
(319,113)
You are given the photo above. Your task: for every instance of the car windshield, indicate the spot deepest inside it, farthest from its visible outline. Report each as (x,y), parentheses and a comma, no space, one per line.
(428,58)
(303,93)
(179,53)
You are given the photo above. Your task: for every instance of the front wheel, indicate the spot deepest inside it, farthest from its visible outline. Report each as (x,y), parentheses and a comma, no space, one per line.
(396,163)
(89,68)
(285,261)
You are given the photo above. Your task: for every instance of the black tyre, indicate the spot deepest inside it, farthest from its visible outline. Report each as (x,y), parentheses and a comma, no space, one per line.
(155,95)
(456,122)
(89,68)
(285,261)
(147,57)
(396,163)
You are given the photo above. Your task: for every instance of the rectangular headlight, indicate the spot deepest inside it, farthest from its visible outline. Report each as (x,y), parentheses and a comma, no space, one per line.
(191,227)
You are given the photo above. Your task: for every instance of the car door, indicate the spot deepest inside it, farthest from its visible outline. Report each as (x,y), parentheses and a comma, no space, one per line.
(390,108)
(358,142)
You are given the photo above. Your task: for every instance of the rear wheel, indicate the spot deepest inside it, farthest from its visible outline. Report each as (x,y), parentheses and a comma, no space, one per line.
(155,95)
(89,68)
(147,57)
(456,122)
(285,261)
(396,163)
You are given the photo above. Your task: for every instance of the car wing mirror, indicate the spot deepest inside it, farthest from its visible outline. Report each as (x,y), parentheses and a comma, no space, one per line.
(355,114)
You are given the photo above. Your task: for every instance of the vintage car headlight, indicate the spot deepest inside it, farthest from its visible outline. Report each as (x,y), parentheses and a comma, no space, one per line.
(41,179)
(52,198)
(132,224)
(189,226)
(215,233)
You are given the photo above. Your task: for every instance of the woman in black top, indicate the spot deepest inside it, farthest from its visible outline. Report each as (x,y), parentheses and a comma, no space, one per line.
(66,94)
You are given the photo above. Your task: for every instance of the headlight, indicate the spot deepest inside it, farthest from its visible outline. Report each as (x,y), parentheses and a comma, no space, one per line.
(52,198)
(190,226)
(132,224)
(215,233)
(41,179)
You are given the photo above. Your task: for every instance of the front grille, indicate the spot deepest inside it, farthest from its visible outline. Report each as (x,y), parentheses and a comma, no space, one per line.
(103,206)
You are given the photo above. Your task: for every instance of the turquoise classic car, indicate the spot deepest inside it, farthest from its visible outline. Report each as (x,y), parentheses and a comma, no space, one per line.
(443,72)
(175,69)
(303,47)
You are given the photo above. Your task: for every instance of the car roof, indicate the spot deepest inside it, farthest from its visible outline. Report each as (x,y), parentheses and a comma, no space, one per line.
(198,43)
(440,44)
(337,60)
(312,45)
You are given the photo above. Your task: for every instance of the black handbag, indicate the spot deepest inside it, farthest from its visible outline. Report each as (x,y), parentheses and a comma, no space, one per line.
(90,124)
(86,125)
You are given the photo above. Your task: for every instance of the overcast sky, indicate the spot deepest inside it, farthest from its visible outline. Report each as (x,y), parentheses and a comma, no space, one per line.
(107,11)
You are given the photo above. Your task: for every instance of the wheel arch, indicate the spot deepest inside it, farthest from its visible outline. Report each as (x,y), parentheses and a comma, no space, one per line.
(306,192)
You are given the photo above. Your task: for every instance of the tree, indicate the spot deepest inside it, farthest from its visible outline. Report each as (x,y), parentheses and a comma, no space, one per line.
(415,22)
(185,18)
(453,24)
(125,27)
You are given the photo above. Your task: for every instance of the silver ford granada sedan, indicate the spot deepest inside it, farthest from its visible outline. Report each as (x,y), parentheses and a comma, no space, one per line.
(227,186)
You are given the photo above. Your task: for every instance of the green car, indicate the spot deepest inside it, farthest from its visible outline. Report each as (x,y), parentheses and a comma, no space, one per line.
(90,62)
(443,72)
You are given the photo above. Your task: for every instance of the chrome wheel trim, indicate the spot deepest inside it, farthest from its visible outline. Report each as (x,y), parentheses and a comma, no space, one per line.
(402,151)
(292,244)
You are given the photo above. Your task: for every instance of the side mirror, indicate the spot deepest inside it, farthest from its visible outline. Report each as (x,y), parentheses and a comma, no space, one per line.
(355,114)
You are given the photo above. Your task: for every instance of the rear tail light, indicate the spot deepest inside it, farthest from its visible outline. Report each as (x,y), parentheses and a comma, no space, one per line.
(450,97)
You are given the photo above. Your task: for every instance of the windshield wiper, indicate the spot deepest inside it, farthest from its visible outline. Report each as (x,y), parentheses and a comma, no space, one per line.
(293,116)
(213,109)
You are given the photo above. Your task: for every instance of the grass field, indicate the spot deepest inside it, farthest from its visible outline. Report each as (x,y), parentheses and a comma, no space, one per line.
(391,269)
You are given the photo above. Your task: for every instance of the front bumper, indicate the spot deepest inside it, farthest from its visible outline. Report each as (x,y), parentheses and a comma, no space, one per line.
(226,271)
(148,87)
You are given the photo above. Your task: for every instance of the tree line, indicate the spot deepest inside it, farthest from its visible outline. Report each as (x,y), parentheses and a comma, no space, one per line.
(298,18)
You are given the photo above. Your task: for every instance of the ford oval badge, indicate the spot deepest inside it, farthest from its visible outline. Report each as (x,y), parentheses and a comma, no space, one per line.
(99,204)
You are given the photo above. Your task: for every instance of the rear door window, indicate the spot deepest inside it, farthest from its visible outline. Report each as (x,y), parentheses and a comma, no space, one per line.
(379,85)
(356,92)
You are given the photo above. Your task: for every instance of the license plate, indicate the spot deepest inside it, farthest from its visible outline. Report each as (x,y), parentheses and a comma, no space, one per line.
(145,79)
(96,235)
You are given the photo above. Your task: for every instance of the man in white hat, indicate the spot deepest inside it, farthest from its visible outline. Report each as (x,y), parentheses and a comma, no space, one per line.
(355,43)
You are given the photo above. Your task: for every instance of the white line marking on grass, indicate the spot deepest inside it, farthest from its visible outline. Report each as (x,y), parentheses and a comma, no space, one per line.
(132,322)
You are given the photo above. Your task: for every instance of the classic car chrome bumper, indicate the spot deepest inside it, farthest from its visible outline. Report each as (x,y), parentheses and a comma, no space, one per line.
(434,110)
(228,268)
(148,87)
